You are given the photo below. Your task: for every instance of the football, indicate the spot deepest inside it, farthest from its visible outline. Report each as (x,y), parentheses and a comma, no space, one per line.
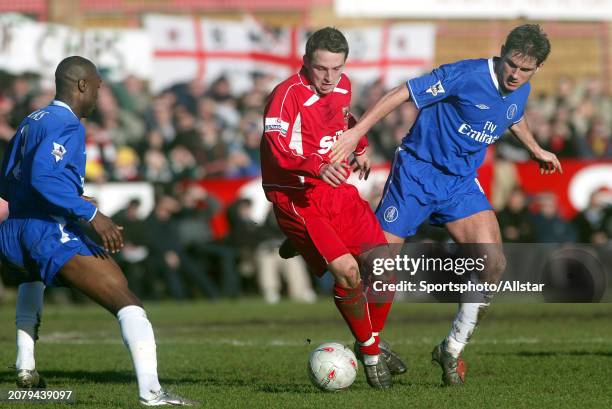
(332,367)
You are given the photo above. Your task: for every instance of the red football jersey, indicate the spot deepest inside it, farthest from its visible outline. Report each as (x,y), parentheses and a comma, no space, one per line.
(300,128)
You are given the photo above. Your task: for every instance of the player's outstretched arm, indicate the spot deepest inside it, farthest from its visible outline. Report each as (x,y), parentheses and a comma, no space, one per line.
(347,143)
(548,161)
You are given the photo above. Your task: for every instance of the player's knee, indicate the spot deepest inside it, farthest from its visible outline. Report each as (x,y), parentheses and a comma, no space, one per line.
(496,266)
(348,275)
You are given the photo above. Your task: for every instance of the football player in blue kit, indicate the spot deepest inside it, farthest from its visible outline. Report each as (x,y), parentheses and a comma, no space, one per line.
(42,179)
(463,108)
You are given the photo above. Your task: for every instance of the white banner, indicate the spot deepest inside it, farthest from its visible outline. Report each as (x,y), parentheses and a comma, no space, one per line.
(190,48)
(597,10)
(29,46)
(187,48)
(177,49)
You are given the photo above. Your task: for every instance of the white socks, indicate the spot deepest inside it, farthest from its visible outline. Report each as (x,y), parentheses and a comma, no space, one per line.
(138,336)
(27,319)
(463,327)
(468,316)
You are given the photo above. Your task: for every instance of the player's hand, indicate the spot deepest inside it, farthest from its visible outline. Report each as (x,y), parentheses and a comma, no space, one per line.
(548,161)
(344,146)
(91,200)
(109,232)
(362,164)
(334,173)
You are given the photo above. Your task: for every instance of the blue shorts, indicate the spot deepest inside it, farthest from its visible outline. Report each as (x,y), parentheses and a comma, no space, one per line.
(416,191)
(41,247)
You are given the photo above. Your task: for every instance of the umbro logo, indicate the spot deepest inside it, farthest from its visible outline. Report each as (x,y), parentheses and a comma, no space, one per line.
(482,106)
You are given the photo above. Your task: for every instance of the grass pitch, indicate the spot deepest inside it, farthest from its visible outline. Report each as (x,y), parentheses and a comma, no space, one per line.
(245,354)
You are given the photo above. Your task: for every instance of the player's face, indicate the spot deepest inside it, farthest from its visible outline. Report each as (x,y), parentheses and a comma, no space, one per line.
(324,70)
(91,93)
(515,69)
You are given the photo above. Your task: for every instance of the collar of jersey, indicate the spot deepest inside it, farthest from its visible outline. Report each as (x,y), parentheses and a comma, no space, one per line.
(304,78)
(62,104)
(494,77)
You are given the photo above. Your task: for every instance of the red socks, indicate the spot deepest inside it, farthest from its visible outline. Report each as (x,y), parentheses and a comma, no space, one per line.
(379,304)
(354,309)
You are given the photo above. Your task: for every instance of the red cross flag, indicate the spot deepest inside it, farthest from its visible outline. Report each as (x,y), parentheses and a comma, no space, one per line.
(177,49)
(192,48)
(394,52)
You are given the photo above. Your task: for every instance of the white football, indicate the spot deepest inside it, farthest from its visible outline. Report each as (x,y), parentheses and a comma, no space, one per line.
(332,367)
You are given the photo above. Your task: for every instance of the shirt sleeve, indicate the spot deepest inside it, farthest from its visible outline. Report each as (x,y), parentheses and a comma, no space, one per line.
(435,86)
(363,142)
(49,175)
(282,138)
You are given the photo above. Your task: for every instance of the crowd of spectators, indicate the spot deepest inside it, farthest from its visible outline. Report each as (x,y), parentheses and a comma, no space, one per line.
(192,132)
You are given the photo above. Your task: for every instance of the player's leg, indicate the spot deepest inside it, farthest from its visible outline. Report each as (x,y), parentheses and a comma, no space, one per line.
(400,212)
(350,300)
(480,228)
(101,280)
(310,229)
(28,314)
(379,303)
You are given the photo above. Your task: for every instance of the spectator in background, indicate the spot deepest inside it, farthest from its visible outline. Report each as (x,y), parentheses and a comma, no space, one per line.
(6,129)
(596,144)
(243,234)
(591,223)
(255,98)
(159,117)
(133,257)
(127,165)
(188,94)
(196,236)
(270,267)
(167,255)
(20,93)
(101,153)
(186,133)
(123,127)
(220,92)
(132,95)
(183,164)
(548,226)
(213,151)
(244,159)
(156,167)
(515,219)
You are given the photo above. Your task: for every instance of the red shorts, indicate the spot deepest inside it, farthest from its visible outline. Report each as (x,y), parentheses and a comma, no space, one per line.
(324,223)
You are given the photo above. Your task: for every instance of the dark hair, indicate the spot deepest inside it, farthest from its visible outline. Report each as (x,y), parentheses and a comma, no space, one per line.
(70,70)
(329,39)
(528,40)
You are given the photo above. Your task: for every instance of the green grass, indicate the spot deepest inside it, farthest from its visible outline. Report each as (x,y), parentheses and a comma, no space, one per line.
(247,354)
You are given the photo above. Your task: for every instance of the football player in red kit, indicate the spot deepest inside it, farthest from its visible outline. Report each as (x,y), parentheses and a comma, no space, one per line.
(323,216)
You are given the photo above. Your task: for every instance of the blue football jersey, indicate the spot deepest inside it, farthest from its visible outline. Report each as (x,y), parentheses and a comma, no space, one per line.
(43,170)
(461,112)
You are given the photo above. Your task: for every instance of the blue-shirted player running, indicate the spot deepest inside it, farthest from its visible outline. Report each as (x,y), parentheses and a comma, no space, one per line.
(463,108)
(42,178)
